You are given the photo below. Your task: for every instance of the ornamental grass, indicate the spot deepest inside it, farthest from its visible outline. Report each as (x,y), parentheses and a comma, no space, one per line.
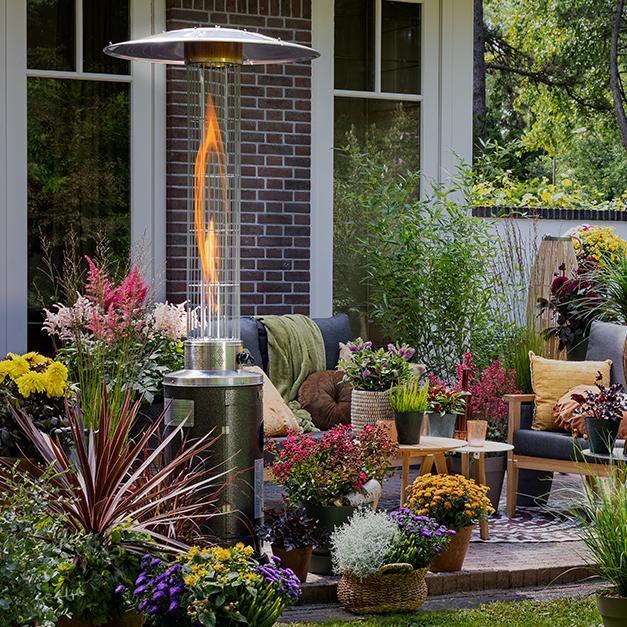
(451,500)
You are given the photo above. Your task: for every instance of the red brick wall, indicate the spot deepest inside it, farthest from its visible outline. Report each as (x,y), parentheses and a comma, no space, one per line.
(276,149)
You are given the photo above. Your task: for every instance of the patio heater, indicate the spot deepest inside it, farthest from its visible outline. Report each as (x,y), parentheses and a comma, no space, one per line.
(213,393)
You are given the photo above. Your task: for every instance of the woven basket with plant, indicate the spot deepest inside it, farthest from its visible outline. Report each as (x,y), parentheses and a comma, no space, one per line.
(383,559)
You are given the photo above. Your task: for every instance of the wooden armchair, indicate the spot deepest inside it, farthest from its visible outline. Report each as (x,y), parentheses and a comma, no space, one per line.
(540,450)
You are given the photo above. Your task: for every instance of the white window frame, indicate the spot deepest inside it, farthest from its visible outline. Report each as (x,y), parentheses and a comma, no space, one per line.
(147,158)
(445,116)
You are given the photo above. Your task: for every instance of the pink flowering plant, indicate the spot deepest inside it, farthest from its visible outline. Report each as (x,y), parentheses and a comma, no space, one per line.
(376,370)
(487,388)
(325,471)
(113,334)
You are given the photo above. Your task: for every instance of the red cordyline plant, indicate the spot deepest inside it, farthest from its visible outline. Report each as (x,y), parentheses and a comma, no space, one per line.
(487,389)
(324,471)
(106,482)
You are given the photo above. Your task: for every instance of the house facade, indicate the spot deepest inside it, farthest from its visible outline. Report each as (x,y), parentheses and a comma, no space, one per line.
(89,143)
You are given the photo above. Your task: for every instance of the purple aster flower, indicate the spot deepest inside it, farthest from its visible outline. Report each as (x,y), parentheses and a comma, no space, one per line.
(366,373)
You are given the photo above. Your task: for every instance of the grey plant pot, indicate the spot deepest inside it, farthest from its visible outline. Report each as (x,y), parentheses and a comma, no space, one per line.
(442,425)
(613,610)
(495,467)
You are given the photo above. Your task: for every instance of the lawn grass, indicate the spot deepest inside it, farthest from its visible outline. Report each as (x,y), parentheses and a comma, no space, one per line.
(568,612)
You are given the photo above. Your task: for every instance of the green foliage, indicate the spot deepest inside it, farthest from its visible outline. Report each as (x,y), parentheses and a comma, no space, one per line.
(517,356)
(410,397)
(28,561)
(611,278)
(549,103)
(603,520)
(94,569)
(427,264)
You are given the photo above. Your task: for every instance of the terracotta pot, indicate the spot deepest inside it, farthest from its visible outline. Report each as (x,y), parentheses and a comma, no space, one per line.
(298,560)
(128,620)
(453,558)
(613,610)
(367,408)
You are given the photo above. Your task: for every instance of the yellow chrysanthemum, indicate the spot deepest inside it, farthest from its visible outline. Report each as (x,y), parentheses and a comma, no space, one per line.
(56,379)
(37,359)
(31,383)
(17,366)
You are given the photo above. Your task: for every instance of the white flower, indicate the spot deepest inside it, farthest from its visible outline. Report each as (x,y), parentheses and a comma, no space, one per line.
(168,320)
(66,321)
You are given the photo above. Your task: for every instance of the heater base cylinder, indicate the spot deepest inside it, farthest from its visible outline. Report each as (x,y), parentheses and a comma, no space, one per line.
(234,414)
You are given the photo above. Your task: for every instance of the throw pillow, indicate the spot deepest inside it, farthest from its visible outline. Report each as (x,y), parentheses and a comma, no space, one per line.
(327,398)
(278,418)
(563,413)
(552,378)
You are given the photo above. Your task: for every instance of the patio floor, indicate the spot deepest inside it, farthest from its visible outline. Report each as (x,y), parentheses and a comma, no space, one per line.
(536,550)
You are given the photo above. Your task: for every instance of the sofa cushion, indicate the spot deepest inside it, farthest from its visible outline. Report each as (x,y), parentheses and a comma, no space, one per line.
(334,330)
(552,378)
(327,398)
(548,444)
(607,341)
(249,333)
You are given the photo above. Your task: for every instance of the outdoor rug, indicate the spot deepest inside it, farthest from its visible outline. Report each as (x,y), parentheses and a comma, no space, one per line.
(529,525)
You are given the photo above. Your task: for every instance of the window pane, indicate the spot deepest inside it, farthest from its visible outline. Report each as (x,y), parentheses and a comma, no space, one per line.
(400,47)
(78,174)
(354,44)
(104,21)
(50,34)
(388,131)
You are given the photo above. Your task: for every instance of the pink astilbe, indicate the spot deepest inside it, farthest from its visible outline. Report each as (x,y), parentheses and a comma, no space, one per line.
(488,388)
(121,309)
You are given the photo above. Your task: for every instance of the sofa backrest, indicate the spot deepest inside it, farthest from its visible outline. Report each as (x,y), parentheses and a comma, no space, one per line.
(607,341)
(334,330)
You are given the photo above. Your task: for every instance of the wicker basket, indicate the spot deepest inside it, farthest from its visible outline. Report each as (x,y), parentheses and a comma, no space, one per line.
(393,588)
(369,407)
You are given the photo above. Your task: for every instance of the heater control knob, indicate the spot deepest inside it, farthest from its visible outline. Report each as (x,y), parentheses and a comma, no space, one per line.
(244,358)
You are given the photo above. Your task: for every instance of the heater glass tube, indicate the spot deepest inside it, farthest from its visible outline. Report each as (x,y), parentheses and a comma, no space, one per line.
(213,214)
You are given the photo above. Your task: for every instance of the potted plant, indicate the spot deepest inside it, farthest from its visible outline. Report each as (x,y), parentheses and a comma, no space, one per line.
(292,534)
(111,505)
(602,519)
(372,373)
(214,586)
(331,476)
(409,401)
(455,502)
(444,405)
(36,385)
(603,411)
(486,389)
(383,559)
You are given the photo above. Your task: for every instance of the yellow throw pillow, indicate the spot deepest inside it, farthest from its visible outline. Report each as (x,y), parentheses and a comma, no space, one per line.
(278,418)
(552,378)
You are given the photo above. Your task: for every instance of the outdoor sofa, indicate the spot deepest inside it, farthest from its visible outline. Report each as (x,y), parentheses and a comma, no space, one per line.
(539,454)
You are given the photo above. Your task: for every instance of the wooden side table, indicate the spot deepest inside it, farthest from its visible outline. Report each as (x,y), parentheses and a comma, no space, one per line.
(478,452)
(430,450)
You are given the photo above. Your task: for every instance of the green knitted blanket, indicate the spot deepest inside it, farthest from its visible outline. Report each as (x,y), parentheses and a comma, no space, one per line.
(295,350)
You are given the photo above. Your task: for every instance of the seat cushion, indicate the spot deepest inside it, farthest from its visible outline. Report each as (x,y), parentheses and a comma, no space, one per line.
(327,398)
(607,341)
(548,444)
(552,378)
(334,330)
(249,333)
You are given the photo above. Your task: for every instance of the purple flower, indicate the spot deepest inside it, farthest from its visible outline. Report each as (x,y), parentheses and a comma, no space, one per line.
(120,589)
(366,373)
(174,605)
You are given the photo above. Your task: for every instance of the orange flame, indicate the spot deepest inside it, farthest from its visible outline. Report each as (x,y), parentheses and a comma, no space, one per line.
(207,240)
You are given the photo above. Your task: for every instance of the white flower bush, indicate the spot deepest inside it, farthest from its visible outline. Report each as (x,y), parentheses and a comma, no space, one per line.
(361,545)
